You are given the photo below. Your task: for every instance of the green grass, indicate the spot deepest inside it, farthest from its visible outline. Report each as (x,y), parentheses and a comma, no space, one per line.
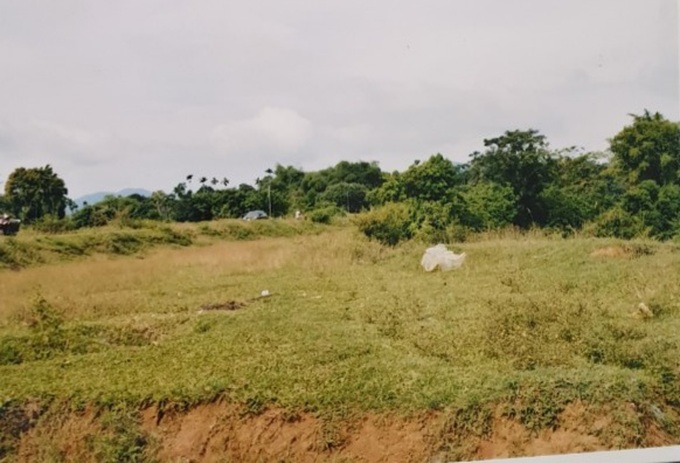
(529,323)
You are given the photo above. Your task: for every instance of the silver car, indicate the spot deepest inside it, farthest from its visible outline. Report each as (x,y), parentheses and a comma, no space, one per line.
(255,215)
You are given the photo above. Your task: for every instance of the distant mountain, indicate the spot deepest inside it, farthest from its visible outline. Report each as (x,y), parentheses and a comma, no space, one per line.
(93,198)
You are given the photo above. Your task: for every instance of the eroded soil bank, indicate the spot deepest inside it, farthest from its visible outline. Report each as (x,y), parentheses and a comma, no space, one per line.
(221,431)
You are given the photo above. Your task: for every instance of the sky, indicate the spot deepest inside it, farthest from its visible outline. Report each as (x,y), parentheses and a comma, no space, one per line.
(141,93)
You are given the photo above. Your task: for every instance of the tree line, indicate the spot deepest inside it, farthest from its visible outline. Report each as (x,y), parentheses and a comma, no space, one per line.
(518,180)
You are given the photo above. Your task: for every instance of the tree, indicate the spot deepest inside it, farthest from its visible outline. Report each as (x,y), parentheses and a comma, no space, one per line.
(668,212)
(363,173)
(4,204)
(584,187)
(161,203)
(36,192)
(521,160)
(312,185)
(649,149)
(431,180)
(348,196)
(391,190)
(488,206)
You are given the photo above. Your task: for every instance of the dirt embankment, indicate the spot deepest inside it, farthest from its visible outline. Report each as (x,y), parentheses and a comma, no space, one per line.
(221,431)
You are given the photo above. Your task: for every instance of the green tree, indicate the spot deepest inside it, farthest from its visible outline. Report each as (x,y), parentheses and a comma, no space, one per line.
(161,204)
(312,185)
(273,195)
(364,173)
(391,190)
(584,188)
(488,205)
(649,149)
(36,192)
(431,180)
(4,204)
(348,196)
(520,159)
(668,212)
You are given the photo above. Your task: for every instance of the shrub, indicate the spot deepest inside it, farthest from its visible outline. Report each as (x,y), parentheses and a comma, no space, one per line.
(52,224)
(89,216)
(488,206)
(325,214)
(14,254)
(388,224)
(617,223)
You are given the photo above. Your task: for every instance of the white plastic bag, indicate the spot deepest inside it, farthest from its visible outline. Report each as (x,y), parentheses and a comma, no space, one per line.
(439,256)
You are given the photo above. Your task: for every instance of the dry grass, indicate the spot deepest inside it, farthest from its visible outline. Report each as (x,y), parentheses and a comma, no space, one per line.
(157,282)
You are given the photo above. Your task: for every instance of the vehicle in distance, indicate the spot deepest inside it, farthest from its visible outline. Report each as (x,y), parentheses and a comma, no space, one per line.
(9,226)
(255,215)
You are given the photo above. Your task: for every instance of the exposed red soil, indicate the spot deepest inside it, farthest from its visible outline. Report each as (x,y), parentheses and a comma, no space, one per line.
(214,432)
(60,437)
(222,431)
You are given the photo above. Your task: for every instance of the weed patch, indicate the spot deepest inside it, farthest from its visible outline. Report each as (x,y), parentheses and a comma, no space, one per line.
(49,337)
(121,439)
(15,254)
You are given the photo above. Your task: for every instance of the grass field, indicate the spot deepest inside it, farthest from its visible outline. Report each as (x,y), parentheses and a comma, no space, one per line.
(529,323)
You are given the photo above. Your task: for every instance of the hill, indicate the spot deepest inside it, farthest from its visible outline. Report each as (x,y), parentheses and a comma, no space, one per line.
(94,198)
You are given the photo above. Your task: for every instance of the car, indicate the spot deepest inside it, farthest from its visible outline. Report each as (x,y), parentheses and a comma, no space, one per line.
(9,226)
(255,215)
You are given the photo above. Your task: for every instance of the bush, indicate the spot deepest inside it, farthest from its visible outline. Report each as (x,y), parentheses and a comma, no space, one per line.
(325,214)
(89,216)
(15,254)
(488,206)
(430,221)
(53,225)
(617,223)
(388,224)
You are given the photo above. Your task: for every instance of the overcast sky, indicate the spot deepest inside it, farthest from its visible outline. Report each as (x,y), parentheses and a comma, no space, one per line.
(140,93)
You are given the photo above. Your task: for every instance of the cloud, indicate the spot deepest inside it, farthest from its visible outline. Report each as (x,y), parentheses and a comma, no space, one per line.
(272,131)
(44,141)
(109,91)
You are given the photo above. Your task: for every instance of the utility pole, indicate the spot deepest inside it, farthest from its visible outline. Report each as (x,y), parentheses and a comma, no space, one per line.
(269,173)
(269,194)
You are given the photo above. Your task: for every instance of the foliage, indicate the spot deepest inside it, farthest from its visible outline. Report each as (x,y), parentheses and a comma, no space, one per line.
(649,149)
(5,205)
(15,253)
(522,161)
(566,208)
(431,180)
(391,191)
(388,224)
(122,440)
(617,222)
(667,215)
(488,205)
(51,225)
(349,196)
(325,213)
(35,192)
